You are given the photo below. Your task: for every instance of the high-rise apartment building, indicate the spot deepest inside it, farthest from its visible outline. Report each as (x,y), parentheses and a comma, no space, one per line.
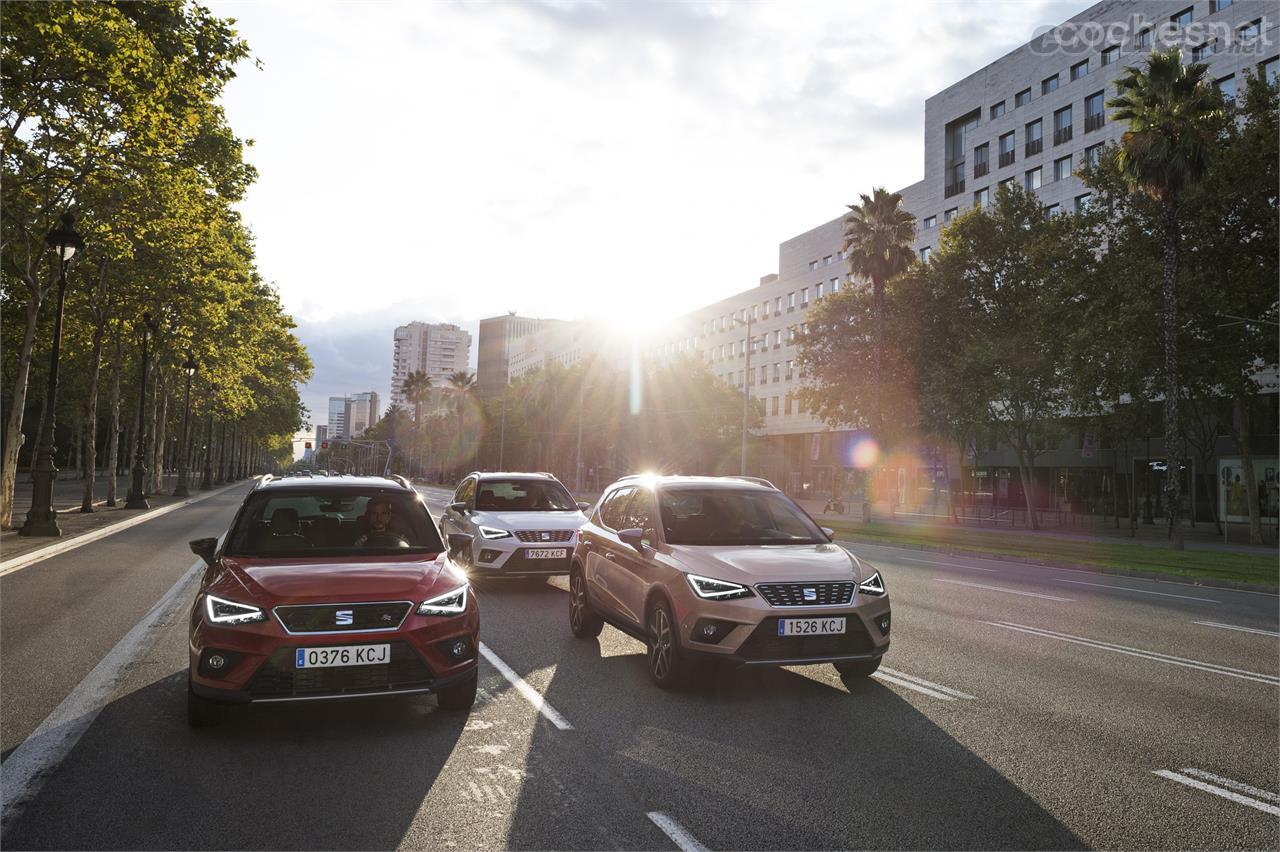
(504,339)
(337,426)
(437,349)
(350,415)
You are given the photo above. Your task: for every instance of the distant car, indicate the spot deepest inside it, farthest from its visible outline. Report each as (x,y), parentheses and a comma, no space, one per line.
(521,524)
(334,588)
(721,569)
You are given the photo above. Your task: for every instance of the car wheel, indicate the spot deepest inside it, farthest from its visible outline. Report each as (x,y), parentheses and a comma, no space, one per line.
(460,695)
(583,620)
(203,713)
(858,668)
(665,665)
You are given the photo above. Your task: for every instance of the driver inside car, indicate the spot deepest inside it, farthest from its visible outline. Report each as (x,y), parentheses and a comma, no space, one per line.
(377,518)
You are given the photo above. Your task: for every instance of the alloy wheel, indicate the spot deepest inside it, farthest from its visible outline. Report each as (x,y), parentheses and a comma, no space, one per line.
(577,601)
(660,644)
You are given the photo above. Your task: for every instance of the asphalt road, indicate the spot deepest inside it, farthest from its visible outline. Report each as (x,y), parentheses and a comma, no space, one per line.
(1019,707)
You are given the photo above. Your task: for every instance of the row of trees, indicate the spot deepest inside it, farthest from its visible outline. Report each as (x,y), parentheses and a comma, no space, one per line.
(111,111)
(1160,293)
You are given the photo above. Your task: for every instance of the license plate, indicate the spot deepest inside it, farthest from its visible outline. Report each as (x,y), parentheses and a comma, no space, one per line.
(342,655)
(810,626)
(547,553)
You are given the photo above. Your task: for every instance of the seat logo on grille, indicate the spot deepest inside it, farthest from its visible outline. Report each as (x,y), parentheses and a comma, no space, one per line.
(546,536)
(811,594)
(343,616)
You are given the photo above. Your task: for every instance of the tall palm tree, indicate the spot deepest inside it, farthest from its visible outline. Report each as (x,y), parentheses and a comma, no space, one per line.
(463,383)
(878,237)
(416,387)
(1173,112)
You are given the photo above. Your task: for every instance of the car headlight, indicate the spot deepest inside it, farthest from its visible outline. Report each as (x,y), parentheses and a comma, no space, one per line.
(450,603)
(873,585)
(494,532)
(717,590)
(222,611)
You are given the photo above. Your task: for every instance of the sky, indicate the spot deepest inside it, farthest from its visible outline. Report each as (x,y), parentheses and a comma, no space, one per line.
(629,161)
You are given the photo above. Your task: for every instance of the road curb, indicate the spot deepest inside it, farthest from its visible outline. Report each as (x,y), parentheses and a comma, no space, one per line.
(1075,566)
(8,566)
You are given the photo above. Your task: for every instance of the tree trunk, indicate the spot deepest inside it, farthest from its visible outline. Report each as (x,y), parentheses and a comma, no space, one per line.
(91,417)
(113,432)
(1244,429)
(1025,459)
(13,437)
(149,453)
(1172,422)
(1209,478)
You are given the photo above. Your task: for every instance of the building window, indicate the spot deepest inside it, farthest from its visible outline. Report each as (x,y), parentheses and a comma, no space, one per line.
(981,160)
(981,198)
(1111,54)
(835,286)
(1227,86)
(1094,114)
(1062,168)
(804,297)
(1092,154)
(733,349)
(774,406)
(1006,149)
(813,264)
(817,291)
(1049,84)
(924,254)
(1251,30)
(787,406)
(791,365)
(1034,138)
(742,378)
(1033,179)
(1052,210)
(1006,182)
(777,306)
(1022,98)
(826,261)
(1082,202)
(957,133)
(930,222)
(791,301)
(1202,52)
(1079,69)
(777,373)
(1142,40)
(1270,69)
(1216,6)
(997,110)
(1184,17)
(948,215)
(777,339)
(1062,125)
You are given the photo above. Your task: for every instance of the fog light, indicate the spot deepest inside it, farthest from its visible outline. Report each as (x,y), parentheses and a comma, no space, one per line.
(216,662)
(711,630)
(489,555)
(457,649)
(883,623)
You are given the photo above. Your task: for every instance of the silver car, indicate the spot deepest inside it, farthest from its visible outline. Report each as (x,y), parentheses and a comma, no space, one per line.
(521,524)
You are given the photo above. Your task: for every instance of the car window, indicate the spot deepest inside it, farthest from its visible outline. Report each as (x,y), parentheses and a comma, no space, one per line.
(460,496)
(301,522)
(612,511)
(730,517)
(639,515)
(523,495)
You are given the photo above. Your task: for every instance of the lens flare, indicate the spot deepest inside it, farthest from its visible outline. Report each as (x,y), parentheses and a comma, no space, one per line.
(866,452)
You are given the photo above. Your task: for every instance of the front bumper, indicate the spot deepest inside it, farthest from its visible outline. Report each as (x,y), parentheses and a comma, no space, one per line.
(509,557)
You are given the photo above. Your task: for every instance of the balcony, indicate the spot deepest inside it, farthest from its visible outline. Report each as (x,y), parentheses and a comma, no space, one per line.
(1035,146)
(981,169)
(1062,134)
(1007,158)
(1094,122)
(953,189)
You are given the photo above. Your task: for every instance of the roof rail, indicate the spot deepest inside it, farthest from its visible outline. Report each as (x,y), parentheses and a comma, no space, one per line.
(758,480)
(262,480)
(404,483)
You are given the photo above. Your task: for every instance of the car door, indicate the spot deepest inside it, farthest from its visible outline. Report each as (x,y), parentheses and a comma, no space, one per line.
(635,571)
(603,549)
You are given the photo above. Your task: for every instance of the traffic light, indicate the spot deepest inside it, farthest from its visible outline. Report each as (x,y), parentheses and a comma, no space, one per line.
(307,445)
(324,445)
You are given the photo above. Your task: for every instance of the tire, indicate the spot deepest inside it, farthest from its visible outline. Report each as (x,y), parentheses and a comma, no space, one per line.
(460,695)
(583,620)
(857,668)
(666,668)
(203,713)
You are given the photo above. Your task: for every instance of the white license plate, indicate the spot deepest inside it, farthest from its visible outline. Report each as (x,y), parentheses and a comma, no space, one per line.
(810,626)
(342,655)
(547,553)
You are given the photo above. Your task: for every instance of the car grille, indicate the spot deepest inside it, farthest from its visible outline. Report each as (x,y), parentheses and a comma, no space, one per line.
(550,535)
(793,594)
(323,618)
(764,643)
(278,678)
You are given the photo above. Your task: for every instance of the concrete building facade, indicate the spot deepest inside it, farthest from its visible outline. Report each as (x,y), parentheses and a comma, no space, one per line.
(437,349)
(502,340)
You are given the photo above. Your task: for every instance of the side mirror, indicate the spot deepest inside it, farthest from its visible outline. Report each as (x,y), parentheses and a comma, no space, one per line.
(828,532)
(460,548)
(205,548)
(633,537)
(584,506)
(460,508)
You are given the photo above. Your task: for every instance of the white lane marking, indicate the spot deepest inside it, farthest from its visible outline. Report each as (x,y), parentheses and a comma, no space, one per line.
(1138,591)
(957,693)
(31,763)
(1241,629)
(1218,791)
(1003,589)
(18,562)
(946,564)
(1138,652)
(530,694)
(1234,785)
(941,696)
(677,833)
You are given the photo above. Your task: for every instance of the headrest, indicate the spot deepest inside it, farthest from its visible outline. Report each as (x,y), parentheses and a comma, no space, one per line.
(284,521)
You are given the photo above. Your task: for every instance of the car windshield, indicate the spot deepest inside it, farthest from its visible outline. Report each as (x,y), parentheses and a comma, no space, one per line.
(330,522)
(728,517)
(523,495)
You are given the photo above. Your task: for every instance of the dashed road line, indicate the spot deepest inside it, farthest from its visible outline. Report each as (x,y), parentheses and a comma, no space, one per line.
(1003,589)
(924,690)
(954,693)
(1219,791)
(677,833)
(1135,591)
(530,694)
(1241,629)
(1156,656)
(1239,786)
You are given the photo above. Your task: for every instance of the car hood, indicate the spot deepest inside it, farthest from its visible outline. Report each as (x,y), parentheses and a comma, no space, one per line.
(319,580)
(781,563)
(531,520)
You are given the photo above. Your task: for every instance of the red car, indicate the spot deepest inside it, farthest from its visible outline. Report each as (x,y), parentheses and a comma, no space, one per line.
(331,588)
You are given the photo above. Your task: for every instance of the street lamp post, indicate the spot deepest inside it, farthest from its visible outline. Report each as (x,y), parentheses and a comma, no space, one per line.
(184,461)
(137,486)
(42,520)
(207,481)
(746,386)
